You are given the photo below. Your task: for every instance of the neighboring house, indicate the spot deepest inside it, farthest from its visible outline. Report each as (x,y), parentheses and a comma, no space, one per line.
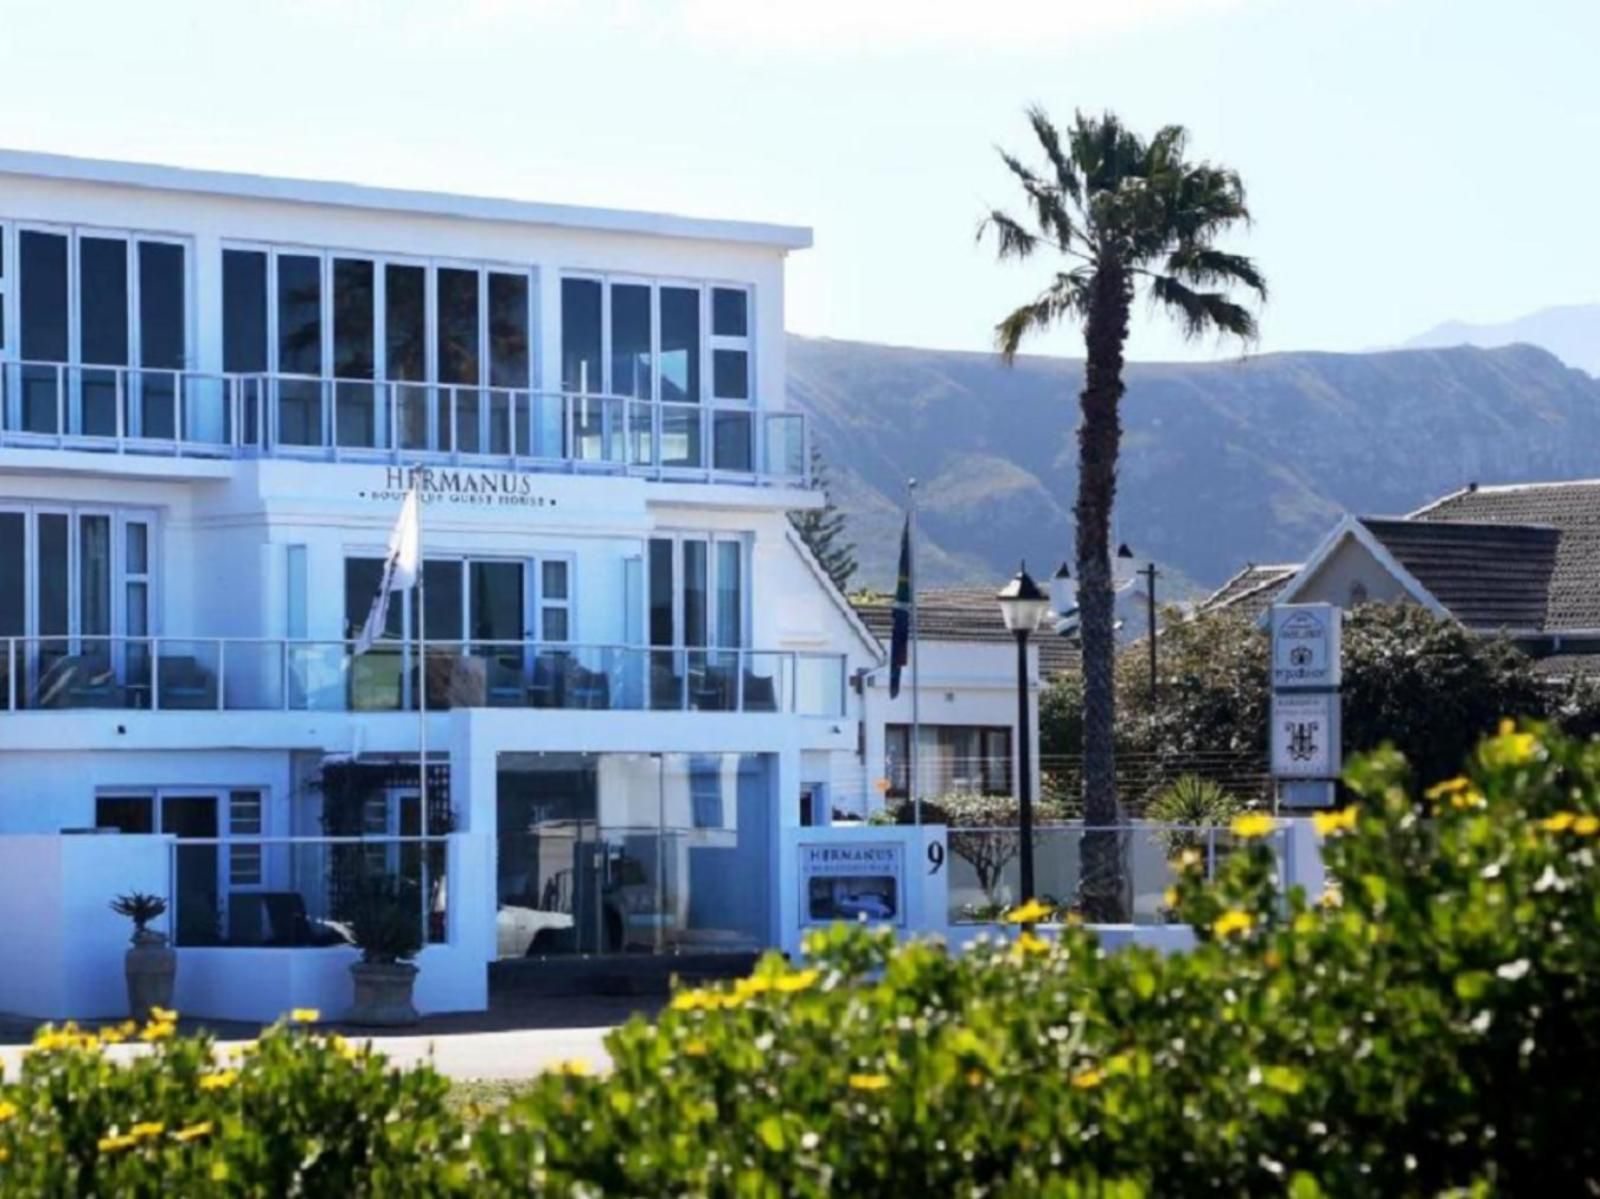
(214,390)
(967,683)
(1521,560)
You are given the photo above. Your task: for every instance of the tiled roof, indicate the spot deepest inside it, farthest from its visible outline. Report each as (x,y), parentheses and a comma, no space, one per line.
(1572,509)
(962,614)
(1489,575)
(1566,666)
(1252,590)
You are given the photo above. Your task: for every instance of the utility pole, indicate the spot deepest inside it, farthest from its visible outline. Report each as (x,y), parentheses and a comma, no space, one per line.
(1149,573)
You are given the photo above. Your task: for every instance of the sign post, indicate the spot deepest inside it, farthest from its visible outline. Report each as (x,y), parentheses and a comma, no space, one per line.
(1306,673)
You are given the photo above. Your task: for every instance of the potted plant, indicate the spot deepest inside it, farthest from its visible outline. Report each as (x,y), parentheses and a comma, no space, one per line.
(385,921)
(151,964)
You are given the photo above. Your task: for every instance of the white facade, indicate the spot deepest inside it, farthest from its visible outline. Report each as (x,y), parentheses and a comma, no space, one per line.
(214,391)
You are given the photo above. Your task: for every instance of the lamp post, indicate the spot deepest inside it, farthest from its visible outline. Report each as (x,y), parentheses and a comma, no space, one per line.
(1022,607)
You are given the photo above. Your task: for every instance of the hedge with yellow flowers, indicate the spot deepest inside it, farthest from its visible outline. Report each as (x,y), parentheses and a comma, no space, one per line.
(1429,1025)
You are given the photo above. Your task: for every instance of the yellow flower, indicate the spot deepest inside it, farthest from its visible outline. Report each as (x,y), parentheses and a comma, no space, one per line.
(8,1111)
(1328,823)
(868,1082)
(798,981)
(1558,823)
(1031,912)
(1169,897)
(1586,826)
(1086,1080)
(162,1015)
(696,1048)
(1448,787)
(1232,922)
(1027,943)
(1332,897)
(113,1143)
(693,1001)
(573,1068)
(1189,859)
(1471,798)
(193,1132)
(305,1015)
(113,1036)
(220,1081)
(157,1032)
(147,1128)
(343,1048)
(1510,748)
(5,1155)
(1252,825)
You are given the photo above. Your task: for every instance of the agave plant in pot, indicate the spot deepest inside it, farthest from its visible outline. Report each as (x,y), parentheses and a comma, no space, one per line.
(151,964)
(385,918)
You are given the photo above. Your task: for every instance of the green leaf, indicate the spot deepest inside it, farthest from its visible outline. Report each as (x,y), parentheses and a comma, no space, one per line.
(770,1130)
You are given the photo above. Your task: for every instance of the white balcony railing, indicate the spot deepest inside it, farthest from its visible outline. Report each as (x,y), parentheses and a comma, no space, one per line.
(128,410)
(239,674)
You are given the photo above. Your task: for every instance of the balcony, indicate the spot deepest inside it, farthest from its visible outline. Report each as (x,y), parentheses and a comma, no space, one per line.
(218,674)
(122,410)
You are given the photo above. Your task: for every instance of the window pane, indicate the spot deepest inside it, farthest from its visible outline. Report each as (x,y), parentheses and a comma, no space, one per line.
(730,315)
(44,296)
(496,592)
(406,322)
(299,315)
(733,441)
(13,575)
(361,579)
(244,813)
(443,601)
(53,573)
(553,583)
(353,318)
(694,593)
(161,315)
(458,326)
(730,374)
(125,813)
(680,344)
(555,624)
(138,615)
(580,335)
(137,549)
(508,330)
(630,339)
(244,311)
(730,595)
(94,576)
(103,300)
(661,632)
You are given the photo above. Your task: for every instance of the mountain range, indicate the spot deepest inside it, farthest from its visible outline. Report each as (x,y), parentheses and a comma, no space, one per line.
(1571,333)
(1223,462)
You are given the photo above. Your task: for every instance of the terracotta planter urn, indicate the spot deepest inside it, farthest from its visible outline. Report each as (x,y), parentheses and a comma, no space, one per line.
(152,968)
(383,994)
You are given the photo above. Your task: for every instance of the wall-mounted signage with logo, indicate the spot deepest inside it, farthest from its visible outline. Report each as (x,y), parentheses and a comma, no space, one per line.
(851,882)
(462,486)
(1305,646)
(1305,735)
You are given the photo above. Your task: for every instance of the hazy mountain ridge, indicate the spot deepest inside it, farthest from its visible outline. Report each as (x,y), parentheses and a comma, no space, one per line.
(1571,332)
(1222,462)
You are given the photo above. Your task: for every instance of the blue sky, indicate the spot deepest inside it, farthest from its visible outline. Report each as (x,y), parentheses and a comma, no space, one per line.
(1408,160)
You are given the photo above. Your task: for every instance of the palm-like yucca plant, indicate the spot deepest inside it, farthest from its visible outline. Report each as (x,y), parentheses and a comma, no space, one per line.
(1124,216)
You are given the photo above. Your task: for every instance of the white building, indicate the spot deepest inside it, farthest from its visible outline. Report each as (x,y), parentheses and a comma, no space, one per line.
(213,389)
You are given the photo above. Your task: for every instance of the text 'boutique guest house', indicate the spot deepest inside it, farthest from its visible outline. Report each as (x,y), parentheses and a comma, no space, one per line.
(625,672)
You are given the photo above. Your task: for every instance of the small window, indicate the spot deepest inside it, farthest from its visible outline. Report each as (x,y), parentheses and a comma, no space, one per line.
(730,312)
(555,600)
(1358,594)
(730,343)
(126,813)
(244,820)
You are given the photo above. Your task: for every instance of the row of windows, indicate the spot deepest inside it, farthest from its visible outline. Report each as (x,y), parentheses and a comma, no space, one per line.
(122,299)
(952,758)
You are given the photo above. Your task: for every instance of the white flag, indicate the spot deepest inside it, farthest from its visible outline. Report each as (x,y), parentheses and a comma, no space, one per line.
(399,570)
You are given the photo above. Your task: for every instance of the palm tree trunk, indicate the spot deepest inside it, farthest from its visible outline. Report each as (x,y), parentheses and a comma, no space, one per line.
(1101,886)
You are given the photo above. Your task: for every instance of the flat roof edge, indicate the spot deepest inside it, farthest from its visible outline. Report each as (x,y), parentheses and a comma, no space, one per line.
(422,203)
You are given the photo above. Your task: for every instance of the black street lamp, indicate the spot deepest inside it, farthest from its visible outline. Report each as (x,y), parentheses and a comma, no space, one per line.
(1022,607)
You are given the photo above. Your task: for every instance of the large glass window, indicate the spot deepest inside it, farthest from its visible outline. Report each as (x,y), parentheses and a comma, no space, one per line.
(162,338)
(13,574)
(581,336)
(406,350)
(355,351)
(300,349)
(103,328)
(680,344)
(630,340)
(244,311)
(953,758)
(43,311)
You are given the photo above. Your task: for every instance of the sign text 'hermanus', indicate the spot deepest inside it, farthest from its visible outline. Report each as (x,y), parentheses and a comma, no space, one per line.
(461,486)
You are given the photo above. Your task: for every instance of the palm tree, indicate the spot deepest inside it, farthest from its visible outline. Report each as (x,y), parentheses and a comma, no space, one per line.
(1124,216)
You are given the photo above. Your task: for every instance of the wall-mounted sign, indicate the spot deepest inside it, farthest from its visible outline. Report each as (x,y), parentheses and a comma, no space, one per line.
(463,486)
(1305,646)
(852,882)
(1305,735)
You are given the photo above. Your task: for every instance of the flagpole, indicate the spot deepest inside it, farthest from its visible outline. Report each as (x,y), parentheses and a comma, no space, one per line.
(422,676)
(916,689)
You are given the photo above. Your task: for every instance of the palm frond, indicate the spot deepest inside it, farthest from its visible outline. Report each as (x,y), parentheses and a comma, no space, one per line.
(1054,220)
(1011,239)
(1066,296)
(1201,266)
(1050,138)
(1202,312)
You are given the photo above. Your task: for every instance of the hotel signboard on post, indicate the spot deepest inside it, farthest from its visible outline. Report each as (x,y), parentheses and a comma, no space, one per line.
(1306,673)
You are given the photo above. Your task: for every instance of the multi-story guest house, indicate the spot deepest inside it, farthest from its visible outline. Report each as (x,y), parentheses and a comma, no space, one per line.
(622,676)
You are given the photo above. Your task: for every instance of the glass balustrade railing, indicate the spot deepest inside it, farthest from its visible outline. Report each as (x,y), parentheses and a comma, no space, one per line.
(193,414)
(178,674)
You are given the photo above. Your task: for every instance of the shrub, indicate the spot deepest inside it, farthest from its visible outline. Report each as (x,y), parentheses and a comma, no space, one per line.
(139,907)
(1194,803)
(1429,1025)
(983,830)
(385,917)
